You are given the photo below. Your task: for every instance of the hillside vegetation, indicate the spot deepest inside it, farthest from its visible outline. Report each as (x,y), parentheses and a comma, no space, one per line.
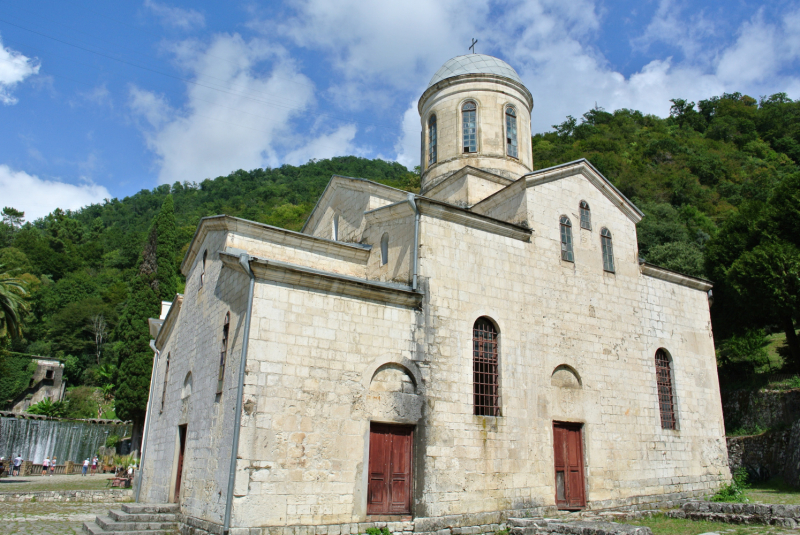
(718,182)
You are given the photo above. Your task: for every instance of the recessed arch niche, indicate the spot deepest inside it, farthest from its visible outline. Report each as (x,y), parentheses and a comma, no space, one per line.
(565,376)
(392,388)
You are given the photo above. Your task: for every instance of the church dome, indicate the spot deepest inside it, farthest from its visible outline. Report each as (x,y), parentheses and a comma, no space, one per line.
(474,64)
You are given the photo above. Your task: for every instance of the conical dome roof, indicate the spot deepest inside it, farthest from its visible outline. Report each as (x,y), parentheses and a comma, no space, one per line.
(474,64)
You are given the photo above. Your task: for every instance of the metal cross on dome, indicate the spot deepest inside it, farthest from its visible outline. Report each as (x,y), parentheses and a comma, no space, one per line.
(472,46)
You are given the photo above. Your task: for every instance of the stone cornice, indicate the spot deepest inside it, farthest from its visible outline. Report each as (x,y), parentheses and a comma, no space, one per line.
(594,176)
(474,77)
(389,212)
(295,275)
(467,170)
(169,322)
(462,216)
(673,276)
(352,252)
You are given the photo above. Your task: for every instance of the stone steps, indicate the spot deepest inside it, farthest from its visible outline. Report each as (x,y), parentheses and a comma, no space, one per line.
(136,519)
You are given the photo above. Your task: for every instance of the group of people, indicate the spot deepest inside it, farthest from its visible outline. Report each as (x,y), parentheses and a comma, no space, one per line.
(15,465)
(48,465)
(86,465)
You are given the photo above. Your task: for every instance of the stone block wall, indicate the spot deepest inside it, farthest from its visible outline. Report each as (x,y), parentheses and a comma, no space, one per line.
(765,409)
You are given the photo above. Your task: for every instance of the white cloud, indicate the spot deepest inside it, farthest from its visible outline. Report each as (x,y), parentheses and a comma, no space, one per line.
(337,143)
(236,117)
(14,68)
(690,35)
(185,19)
(408,145)
(38,197)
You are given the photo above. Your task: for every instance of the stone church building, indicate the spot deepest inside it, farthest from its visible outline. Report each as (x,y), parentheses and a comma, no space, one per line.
(490,347)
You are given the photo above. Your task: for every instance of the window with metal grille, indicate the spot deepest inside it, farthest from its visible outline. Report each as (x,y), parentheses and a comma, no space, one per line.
(586,216)
(566,239)
(223,353)
(511,132)
(203,270)
(664,382)
(164,389)
(485,377)
(469,126)
(432,140)
(608,251)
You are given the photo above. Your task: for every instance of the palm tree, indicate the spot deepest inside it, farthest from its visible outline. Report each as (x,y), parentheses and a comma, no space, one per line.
(13,304)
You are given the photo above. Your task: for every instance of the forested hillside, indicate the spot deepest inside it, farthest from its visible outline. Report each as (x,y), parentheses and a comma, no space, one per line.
(718,182)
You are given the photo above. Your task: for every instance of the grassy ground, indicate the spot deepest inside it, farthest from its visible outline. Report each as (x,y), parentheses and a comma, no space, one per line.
(773,491)
(662,525)
(60,482)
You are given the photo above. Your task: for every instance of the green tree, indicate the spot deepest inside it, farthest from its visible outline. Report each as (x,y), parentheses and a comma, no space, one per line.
(13,305)
(47,407)
(166,251)
(133,341)
(683,257)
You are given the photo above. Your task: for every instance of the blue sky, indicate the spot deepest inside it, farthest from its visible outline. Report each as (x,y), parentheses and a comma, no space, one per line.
(103,99)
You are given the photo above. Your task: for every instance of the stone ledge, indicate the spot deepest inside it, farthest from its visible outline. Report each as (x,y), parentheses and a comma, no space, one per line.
(527,526)
(787,516)
(97,496)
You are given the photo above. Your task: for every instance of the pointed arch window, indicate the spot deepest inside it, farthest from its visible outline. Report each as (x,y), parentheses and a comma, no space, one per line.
(385,249)
(485,372)
(586,216)
(203,269)
(335,227)
(608,251)
(432,140)
(666,405)
(469,126)
(511,132)
(566,239)
(164,389)
(223,352)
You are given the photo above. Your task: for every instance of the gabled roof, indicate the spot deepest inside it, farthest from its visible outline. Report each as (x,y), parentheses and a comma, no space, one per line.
(584,167)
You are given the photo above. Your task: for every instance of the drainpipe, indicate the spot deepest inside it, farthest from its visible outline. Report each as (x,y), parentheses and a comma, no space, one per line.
(415,265)
(244,260)
(156,354)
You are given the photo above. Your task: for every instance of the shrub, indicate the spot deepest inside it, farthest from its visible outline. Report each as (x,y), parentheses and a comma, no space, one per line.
(378,531)
(112,441)
(733,491)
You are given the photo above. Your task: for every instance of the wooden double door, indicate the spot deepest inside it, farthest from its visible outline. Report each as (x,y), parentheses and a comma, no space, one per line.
(568,446)
(390,482)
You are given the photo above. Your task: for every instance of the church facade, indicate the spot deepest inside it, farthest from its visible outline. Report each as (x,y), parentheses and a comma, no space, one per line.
(487,348)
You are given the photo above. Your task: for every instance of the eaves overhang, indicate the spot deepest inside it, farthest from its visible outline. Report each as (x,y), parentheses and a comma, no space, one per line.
(355,252)
(463,216)
(169,322)
(668,275)
(306,277)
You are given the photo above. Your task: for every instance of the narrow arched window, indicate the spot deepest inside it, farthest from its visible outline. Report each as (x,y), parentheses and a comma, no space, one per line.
(187,386)
(666,405)
(511,132)
(385,248)
(223,352)
(469,126)
(164,389)
(586,216)
(432,140)
(485,375)
(335,227)
(608,251)
(203,269)
(566,239)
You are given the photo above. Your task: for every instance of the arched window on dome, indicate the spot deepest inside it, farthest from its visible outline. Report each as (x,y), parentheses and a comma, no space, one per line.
(511,132)
(566,239)
(469,126)
(608,251)
(432,140)
(586,216)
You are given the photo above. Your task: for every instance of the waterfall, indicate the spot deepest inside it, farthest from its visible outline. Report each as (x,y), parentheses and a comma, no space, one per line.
(68,440)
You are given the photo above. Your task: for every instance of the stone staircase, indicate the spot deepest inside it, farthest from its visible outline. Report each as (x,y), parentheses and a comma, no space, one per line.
(137,519)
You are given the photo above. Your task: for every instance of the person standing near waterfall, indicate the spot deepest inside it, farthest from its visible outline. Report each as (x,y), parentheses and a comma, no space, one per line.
(85,467)
(45,465)
(17,464)
(52,466)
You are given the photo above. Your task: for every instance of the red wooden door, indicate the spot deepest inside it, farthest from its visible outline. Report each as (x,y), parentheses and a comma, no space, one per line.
(182,437)
(389,489)
(568,456)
